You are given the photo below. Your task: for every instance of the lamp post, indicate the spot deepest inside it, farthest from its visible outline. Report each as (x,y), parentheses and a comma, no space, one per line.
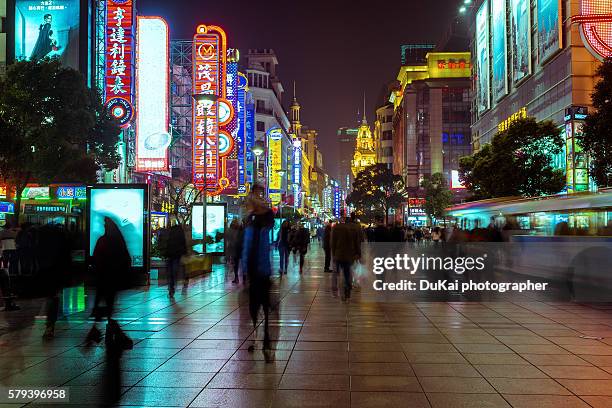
(258,150)
(206,101)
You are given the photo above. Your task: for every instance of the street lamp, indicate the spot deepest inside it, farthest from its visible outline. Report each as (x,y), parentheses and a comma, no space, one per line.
(206,101)
(258,149)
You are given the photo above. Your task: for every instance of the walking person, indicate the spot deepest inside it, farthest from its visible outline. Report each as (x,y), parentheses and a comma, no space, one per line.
(282,244)
(176,248)
(300,241)
(256,258)
(346,249)
(112,263)
(233,248)
(327,245)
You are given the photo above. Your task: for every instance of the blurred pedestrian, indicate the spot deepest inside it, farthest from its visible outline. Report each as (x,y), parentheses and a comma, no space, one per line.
(8,238)
(282,244)
(176,248)
(299,242)
(327,245)
(112,263)
(436,235)
(256,257)
(233,246)
(54,261)
(346,241)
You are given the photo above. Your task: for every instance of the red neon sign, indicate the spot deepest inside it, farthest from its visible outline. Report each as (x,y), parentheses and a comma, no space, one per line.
(209,58)
(119,60)
(595,21)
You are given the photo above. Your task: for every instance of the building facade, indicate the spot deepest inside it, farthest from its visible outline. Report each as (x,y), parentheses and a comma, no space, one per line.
(2,36)
(347,141)
(365,152)
(383,135)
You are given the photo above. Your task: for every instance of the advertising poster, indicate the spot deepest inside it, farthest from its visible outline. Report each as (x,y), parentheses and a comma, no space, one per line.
(499,44)
(126,207)
(549,35)
(47,29)
(482,57)
(215,227)
(275,158)
(520,32)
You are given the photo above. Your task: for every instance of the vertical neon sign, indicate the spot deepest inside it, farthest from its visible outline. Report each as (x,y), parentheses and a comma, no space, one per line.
(209,56)
(119,45)
(297,171)
(241,132)
(250,134)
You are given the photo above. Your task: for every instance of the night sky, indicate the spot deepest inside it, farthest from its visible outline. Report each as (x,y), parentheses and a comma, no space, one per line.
(335,50)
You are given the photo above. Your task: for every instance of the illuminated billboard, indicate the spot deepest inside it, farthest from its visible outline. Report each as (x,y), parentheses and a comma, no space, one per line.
(596,26)
(119,69)
(275,159)
(216,214)
(549,33)
(152,76)
(520,39)
(297,171)
(241,133)
(127,207)
(250,135)
(499,47)
(47,29)
(455,182)
(209,77)
(482,57)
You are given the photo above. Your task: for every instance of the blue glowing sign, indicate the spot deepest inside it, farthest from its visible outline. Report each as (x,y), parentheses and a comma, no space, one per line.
(241,132)
(250,134)
(70,193)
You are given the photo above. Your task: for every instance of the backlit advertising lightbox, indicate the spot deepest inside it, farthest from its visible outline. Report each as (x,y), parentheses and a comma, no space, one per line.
(520,39)
(499,46)
(127,206)
(216,214)
(47,28)
(482,57)
(549,34)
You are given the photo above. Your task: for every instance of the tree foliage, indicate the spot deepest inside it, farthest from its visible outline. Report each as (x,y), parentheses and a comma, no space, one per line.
(376,190)
(517,162)
(437,195)
(596,139)
(52,127)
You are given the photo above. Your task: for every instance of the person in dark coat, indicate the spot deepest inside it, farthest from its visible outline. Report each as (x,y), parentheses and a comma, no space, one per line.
(45,42)
(112,263)
(175,249)
(233,246)
(299,242)
(282,243)
(327,245)
(54,260)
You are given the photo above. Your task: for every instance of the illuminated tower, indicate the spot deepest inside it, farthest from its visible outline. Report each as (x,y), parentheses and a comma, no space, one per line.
(295,114)
(365,153)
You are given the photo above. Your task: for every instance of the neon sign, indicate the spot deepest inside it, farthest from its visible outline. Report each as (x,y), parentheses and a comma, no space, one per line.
(241,132)
(504,125)
(595,21)
(297,170)
(119,60)
(275,158)
(152,72)
(209,58)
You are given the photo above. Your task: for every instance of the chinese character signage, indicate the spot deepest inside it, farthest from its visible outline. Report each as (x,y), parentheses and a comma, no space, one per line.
(520,34)
(482,57)
(275,159)
(250,134)
(209,57)
(297,170)
(71,193)
(241,132)
(47,28)
(119,60)
(596,26)
(549,33)
(499,47)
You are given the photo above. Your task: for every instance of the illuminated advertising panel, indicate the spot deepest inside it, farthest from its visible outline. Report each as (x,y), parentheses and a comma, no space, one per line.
(337,200)
(596,26)
(297,171)
(47,28)
(275,159)
(127,207)
(209,56)
(119,60)
(482,57)
(455,182)
(549,33)
(152,76)
(35,193)
(241,132)
(216,214)
(71,193)
(250,134)
(520,34)
(499,46)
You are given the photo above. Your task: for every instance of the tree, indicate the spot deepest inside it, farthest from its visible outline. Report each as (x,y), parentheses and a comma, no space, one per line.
(376,189)
(183,195)
(518,162)
(596,139)
(437,196)
(52,127)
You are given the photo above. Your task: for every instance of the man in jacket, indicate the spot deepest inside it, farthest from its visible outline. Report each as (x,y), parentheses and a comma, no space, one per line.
(327,245)
(346,238)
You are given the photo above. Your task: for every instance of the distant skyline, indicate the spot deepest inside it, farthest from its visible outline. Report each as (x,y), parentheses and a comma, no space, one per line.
(334,50)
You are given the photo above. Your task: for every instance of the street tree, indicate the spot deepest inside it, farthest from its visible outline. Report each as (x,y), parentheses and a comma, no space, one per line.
(438,196)
(517,162)
(376,190)
(183,195)
(52,127)
(596,138)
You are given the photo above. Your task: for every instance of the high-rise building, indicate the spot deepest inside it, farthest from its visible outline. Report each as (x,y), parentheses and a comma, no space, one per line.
(2,36)
(383,135)
(347,141)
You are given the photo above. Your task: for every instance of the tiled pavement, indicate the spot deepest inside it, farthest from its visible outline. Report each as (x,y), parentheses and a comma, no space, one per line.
(193,352)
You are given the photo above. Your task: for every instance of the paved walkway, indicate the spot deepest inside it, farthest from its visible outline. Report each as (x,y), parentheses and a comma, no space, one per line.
(193,351)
